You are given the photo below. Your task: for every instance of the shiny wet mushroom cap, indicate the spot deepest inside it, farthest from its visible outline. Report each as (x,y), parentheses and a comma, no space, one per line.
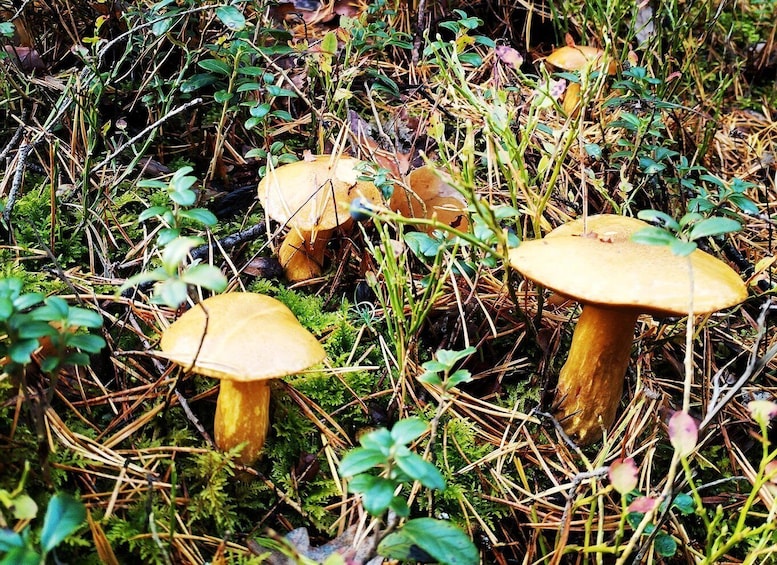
(616,279)
(312,197)
(245,340)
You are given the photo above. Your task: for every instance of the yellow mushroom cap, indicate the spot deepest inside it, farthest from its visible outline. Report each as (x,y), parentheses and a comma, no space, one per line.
(575,58)
(605,267)
(315,194)
(244,337)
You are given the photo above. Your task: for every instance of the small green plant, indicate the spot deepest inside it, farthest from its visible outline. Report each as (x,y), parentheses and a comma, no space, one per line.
(378,470)
(681,235)
(64,515)
(172,278)
(26,318)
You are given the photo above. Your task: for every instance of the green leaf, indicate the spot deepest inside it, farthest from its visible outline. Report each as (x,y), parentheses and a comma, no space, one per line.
(442,540)
(655,216)
(215,66)
(398,545)
(682,248)
(459,377)
(151,212)
(417,468)
(231,17)
(205,276)
(665,545)
(378,497)
(652,235)
(359,460)
(63,516)
(684,503)
(184,197)
(6,307)
(21,556)
(21,351)
(329,43)
(24,507)
(422,244)
(84,318)
(379,440)
(714,226)
(177,250)
(408,430)
(199,215)
(171,293)
(10,539)
(86,342)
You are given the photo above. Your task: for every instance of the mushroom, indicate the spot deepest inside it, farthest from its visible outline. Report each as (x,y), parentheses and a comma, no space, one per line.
(577,58)
(312,198)
(245,340)
(615,279)
(430,197)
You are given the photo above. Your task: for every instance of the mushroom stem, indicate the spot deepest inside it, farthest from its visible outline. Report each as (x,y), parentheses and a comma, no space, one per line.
(591,382)
(242,416)
(302,258)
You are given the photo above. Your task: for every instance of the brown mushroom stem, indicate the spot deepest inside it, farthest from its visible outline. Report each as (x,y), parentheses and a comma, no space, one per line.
(242,417)
(591,382)
(300,257)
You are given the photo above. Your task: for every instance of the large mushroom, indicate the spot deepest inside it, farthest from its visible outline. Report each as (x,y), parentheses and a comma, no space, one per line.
(245,340)
(616,279)
(312,197)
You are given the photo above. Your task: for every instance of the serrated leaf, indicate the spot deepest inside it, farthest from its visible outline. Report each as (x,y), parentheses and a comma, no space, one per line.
(359,460)
(63,516)
(442,540)
(407,430)
(417,468)
(231,17)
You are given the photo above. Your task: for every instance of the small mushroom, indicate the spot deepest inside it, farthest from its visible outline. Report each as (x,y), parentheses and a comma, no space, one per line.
(312,198)
(245,340)
(577,58)
(430,197)
(616,279)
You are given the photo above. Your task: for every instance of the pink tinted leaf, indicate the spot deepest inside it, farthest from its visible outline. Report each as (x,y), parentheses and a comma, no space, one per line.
(509,56)
(623,475)
(642,504)
(683,433)
(762,410)
(770,471)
